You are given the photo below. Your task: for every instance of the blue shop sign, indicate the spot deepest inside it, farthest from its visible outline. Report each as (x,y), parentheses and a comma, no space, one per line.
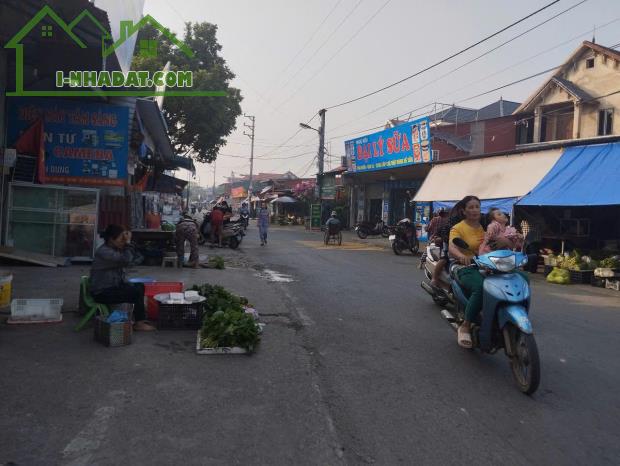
(405,144)
(85,143)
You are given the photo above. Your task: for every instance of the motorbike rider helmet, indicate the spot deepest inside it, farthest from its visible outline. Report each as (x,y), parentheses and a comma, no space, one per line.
(334,214)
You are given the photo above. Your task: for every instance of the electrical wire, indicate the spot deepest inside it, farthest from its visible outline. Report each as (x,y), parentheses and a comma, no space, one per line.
(481,94)
(454,70)
(299,130)
(417,73)
(300,51)
(334,31)
(355,34)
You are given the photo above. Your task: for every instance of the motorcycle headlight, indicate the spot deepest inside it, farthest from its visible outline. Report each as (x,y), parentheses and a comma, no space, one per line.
(504,264)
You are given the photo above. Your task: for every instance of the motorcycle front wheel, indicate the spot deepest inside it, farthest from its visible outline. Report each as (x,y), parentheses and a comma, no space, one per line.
(525,363)
(385,232)
(362,233)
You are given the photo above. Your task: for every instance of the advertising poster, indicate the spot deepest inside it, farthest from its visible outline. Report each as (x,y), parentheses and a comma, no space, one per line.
(85,143)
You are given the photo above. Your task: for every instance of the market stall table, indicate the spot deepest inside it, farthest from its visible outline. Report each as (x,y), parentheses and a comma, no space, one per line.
(148,241)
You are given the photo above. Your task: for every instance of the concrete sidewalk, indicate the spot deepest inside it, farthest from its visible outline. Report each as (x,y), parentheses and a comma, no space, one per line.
(70,400)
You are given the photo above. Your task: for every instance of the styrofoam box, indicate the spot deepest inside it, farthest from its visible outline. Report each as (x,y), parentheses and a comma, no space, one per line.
(233,350)
(36,310)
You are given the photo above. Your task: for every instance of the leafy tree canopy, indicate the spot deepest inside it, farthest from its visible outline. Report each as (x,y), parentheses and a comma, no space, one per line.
(198,125)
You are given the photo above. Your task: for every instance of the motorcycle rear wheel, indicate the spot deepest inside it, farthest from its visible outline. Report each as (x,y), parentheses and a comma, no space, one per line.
(233,242)
(385,232)
(525,364)
(396,248)
(362,233)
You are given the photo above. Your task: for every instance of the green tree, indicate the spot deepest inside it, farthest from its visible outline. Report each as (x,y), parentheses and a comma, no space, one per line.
(197,125)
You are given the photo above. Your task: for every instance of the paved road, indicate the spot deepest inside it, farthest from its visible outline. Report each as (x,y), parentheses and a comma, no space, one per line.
(399,390)
(355,367)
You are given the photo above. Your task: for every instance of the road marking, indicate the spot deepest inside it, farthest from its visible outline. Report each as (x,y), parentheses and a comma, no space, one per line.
(84,444)
(274,276)
(346,246)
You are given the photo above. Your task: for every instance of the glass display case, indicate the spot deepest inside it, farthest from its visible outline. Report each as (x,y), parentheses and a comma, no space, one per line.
(57,220)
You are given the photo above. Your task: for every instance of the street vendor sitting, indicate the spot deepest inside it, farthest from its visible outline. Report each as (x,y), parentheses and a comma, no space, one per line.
(107,275)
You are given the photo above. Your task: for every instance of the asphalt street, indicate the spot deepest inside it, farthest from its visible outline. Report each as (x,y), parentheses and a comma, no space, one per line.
(399,389)
(356,367)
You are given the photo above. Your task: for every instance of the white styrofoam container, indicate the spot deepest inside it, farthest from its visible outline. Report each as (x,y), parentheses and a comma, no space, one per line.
(36,310)
(224,350)
(233,350)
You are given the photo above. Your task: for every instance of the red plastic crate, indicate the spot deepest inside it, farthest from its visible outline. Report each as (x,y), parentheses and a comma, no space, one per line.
(152,289)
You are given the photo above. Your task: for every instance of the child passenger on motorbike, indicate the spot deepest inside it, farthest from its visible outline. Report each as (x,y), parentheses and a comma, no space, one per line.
(500,235)
(469,230)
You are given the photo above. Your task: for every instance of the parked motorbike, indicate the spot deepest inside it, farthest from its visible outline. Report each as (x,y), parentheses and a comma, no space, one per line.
(504,320)
(232,233)
(366,229)
(403,236)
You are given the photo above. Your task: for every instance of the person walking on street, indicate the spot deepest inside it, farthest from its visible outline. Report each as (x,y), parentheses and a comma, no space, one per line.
(187,230)
(263,222)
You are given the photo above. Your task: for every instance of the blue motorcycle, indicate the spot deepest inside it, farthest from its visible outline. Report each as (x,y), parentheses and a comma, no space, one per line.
(504,321)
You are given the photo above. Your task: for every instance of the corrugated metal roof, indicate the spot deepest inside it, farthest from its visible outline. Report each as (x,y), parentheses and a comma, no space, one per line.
(455,114)
(498,109)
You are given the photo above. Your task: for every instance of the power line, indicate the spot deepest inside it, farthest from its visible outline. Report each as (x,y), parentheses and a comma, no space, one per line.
(486,77)
(355,34)
(336,29)
(318,28)
(454,70)
(443,60)
(299,130)
(464,100)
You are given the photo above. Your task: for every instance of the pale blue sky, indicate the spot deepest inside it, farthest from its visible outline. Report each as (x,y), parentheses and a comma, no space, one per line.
(260,38)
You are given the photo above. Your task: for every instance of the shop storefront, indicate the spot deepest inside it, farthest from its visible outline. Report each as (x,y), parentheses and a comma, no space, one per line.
(79,151)
(386,169)
(577,203)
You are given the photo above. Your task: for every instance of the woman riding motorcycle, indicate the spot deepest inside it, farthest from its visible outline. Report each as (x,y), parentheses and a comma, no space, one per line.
(469,230)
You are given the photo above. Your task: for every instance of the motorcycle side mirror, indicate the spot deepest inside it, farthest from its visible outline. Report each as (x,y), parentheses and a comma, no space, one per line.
(460,243)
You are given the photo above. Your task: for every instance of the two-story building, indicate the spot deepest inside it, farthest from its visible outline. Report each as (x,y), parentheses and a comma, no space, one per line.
(579,101)
(563,175)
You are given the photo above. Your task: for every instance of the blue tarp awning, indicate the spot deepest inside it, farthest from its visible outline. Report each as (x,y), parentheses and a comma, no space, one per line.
(505,204)
(583,176)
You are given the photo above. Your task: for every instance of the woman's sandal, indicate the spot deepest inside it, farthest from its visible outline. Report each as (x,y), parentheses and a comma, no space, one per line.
(464,338)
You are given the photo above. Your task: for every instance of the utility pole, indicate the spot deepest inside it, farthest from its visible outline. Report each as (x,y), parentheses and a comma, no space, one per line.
(321,155)
(213,193)
(252,128)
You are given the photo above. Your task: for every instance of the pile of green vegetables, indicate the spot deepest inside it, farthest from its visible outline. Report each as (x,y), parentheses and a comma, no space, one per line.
(575,261)
(216,262)
(559,276)
(225,323)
